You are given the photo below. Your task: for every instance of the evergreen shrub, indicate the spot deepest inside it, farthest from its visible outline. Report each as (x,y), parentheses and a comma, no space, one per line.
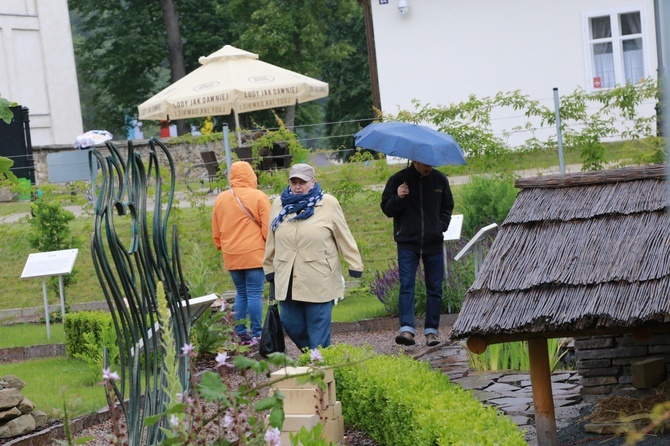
(412,404)
(80,324)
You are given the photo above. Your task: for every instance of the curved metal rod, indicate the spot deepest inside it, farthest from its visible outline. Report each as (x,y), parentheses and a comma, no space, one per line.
(129,273)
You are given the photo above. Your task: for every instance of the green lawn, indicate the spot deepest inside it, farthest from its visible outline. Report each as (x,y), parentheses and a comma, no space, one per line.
(53,382)
(25,335)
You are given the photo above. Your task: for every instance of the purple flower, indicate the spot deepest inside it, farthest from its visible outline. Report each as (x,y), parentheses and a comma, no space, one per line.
(315,355)
(385,286)
(174,421)
(272,436)
(108,375)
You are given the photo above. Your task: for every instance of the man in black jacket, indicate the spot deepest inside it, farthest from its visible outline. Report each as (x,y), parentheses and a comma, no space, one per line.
(419,200)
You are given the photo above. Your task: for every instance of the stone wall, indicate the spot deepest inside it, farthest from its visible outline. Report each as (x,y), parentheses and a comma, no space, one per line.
(17,413)
(604,362)
(184,155)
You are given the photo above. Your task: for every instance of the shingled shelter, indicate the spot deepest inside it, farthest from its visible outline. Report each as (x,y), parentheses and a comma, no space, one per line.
(581,254)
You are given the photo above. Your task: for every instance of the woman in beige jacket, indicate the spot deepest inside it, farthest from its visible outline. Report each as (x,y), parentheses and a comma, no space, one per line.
(307,235)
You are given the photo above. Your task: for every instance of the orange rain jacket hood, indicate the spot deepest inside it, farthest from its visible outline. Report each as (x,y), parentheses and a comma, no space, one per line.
(239,238)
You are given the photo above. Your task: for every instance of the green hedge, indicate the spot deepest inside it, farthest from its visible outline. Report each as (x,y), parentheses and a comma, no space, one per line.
(412,404)
(76,325)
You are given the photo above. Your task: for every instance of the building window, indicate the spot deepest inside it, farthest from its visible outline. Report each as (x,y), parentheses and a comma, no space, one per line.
(616,48)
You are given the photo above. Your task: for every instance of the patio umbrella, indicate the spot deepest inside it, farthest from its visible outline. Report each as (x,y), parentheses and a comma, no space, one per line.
(412,141)
(231,79)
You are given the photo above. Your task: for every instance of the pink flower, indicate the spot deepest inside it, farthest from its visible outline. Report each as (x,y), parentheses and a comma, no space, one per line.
(315,355)
(272,436)
(221,359)
(108,375)
(228,420)
(184,398)
(187,350)
(174,421)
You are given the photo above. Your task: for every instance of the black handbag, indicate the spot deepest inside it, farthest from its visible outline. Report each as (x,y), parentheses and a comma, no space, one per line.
(272,336)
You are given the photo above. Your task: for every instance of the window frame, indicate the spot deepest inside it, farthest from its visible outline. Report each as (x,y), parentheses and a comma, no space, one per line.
(617,44)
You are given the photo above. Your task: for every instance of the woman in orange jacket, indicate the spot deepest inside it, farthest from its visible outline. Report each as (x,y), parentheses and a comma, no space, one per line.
(240,221)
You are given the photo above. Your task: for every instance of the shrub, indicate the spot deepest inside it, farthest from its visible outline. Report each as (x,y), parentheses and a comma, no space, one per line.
(412,403)
(78,325)
(485,200)
(50,231)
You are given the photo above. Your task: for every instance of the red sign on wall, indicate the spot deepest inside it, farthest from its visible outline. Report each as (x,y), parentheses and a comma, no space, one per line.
(597,82)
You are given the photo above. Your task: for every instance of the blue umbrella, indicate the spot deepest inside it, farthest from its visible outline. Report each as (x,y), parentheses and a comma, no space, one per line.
(412,141)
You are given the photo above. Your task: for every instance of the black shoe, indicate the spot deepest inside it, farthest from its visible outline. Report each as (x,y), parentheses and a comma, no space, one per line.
(405,338)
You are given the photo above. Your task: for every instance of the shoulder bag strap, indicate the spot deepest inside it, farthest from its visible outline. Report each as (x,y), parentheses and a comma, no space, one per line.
(245,209)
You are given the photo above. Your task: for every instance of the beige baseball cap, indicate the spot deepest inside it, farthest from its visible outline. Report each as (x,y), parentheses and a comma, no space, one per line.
(303,171)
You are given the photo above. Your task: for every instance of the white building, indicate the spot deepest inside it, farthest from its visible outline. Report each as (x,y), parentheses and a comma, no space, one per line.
(441,51)
(37,68)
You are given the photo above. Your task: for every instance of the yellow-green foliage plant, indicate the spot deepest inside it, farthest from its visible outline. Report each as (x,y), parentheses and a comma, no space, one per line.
(513,356)
(413,404)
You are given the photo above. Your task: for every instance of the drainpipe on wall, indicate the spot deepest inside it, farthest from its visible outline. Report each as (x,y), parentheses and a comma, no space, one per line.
(658,12)
(662,18)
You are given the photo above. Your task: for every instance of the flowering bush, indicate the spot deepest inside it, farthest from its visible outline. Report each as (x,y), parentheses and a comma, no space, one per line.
(386,286)
(239,417)
(236,413)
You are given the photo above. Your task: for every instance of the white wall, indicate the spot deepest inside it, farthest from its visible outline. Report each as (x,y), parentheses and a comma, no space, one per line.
(442,51)
(37,68)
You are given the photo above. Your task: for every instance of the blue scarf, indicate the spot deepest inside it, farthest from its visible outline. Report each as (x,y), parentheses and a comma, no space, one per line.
(301,205)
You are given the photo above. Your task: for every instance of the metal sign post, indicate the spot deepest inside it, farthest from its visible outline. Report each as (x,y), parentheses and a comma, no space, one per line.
(475,246)
(53,263)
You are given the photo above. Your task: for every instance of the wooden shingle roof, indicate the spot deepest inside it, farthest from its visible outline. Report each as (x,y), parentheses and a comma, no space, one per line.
(576,255)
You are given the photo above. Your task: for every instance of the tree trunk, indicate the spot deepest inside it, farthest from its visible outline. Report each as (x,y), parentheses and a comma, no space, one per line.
(289,118)
(175,50)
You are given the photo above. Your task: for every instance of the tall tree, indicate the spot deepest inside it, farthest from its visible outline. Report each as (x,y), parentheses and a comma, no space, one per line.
(175,49)
(123,56)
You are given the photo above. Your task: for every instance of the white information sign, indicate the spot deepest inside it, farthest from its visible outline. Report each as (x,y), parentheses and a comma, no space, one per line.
(52,263)
(455,228)
(198,307)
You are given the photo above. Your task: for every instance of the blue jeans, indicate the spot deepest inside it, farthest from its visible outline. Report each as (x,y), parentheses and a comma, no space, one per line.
(249,285)
(307,323)
(433,268)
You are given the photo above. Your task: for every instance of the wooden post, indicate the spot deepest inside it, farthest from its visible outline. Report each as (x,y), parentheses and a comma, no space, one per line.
(540,378)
